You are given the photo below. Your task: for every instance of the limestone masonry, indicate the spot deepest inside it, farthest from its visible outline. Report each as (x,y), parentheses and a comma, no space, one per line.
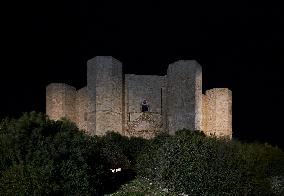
(142,105)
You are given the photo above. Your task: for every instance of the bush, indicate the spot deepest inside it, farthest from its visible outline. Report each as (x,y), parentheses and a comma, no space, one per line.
(128,148)
(194,164)
(39,156)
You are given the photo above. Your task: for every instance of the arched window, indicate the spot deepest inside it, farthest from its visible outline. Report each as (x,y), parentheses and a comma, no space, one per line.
(144,106)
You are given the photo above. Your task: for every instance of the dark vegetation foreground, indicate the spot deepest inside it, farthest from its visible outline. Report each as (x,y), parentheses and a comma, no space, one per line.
(39,156)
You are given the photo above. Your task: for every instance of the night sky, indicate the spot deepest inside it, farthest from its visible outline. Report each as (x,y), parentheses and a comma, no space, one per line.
(240,46)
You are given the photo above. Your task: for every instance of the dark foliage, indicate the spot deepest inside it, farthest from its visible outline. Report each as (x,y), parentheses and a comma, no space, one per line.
(194,164)
(39,156)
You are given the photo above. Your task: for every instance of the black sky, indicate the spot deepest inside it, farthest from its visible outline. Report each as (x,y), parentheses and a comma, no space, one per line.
(239,45)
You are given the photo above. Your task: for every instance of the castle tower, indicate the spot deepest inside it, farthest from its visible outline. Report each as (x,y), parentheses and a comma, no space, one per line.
(113,101)
(217,112)
(104,88)
(184,96)
(60,101)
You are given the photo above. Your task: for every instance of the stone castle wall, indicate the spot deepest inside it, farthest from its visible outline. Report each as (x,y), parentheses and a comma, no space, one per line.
(205,114)
(111,101)
(217,112)
(81,106)
(104,86)
(184,96)
(138,88)
(164,105)
(141,87)
(60,101)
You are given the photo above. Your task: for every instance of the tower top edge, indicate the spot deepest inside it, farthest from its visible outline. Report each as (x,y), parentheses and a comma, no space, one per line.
(60,85)
(103,58)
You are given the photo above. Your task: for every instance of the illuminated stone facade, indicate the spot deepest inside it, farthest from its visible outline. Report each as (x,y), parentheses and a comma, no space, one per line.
(112,101)
(217,112)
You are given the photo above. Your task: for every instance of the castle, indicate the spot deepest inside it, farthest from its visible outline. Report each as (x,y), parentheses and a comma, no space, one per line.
(142,105)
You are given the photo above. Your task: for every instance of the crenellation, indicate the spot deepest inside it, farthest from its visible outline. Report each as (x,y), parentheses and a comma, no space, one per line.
(112,101)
